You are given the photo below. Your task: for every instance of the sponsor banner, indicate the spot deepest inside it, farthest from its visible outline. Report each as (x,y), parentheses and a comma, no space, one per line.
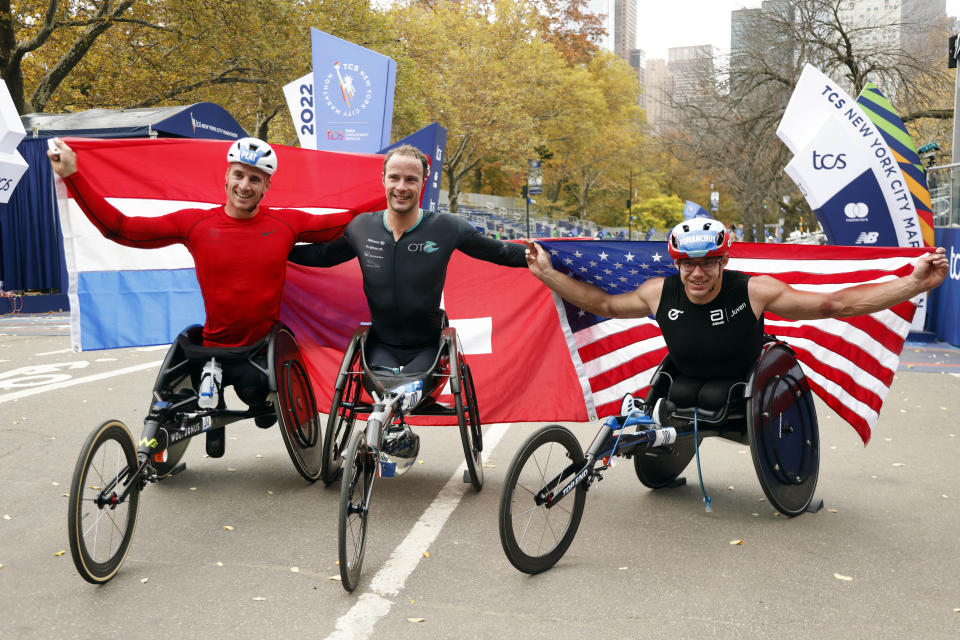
(11,128)
(944,304)
(432,140)
(12,168)
(834,140)
(352,95)
(302,105)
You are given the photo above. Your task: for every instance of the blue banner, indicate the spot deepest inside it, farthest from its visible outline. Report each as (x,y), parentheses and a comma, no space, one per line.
(943,308)
(354,89)
(693,210)
(432,140)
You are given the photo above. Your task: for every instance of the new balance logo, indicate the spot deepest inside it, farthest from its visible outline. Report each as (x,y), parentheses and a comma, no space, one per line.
(868,237)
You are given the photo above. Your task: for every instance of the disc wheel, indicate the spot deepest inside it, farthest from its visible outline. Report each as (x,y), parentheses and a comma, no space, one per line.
(785,444)
(296,407)
(659,466)
(471,432)
(356,487)
(340,421)
(99,527)
(533,536)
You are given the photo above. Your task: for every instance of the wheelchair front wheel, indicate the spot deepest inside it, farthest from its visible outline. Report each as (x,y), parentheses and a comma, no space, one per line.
(356,487)
(533,537)
(99,528)
(471,433)
(340,421)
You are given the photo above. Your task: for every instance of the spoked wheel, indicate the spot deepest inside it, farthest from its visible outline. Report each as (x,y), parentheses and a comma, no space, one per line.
(658,467)
(356,487)
(340,421)
(296,407)
(471,433)
(783,432)
(533,536)
(99,527)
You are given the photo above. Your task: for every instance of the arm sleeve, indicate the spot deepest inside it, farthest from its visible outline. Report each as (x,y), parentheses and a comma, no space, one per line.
(323,228)
(476,245)
(130,231)
(323,254)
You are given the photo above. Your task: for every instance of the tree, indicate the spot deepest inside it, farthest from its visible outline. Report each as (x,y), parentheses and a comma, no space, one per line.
(73,28)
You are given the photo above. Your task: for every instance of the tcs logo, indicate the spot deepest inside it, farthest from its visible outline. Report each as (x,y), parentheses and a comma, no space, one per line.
(954,267)
(827,161)
(334,135)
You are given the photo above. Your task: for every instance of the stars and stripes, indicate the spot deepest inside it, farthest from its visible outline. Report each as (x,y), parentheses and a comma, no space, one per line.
(849,363)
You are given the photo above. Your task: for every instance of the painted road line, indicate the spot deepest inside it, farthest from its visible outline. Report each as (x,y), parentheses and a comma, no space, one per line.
(75,381)
(359,621)
(54,353)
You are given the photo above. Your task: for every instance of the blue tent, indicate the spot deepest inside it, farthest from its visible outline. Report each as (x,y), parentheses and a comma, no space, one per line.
(31,244)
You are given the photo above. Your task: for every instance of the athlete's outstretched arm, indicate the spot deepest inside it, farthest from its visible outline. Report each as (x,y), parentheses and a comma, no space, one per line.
(636,304)
(769,294)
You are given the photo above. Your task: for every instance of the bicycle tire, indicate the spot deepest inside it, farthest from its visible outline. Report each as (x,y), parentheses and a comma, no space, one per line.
(545,534)
(471,433)
(356,487)
(108,453)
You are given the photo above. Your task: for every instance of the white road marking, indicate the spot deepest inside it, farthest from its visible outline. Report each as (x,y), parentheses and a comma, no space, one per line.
(75,381)
(359,621)
(53,353)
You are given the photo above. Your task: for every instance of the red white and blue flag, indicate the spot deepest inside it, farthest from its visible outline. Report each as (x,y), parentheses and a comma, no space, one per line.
(534,358)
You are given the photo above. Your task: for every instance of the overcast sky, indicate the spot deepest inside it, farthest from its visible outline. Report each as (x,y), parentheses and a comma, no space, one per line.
(681,23)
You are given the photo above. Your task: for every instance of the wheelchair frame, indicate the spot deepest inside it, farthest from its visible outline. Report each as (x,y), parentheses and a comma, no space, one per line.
(357,451)
(785,456)
(112,470)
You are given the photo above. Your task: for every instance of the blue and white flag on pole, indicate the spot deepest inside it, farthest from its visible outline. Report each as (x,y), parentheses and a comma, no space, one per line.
(693,210)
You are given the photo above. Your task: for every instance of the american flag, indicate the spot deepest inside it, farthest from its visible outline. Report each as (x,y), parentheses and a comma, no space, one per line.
(849,362)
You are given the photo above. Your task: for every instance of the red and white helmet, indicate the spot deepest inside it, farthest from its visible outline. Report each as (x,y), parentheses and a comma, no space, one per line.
(254,152)
(699,238)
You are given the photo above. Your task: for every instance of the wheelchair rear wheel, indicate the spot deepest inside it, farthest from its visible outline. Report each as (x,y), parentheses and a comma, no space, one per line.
(340,421)
(99,528)
(783,432)
(296,407)
(471,432)
(356,488)
(533,536)
(658,467)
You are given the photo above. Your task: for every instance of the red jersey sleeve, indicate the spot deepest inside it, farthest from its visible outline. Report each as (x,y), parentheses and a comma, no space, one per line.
(322,228)
(130,231)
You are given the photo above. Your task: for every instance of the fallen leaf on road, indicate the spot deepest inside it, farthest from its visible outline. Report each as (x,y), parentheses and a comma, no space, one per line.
(840,577)
(56,484)
(426,554)
(337,578)
(219,564)
(294,569)
(227,527)
(622,569)
(6,516)
(739,542)
(259,598)
(730,488)
(144,580)
(832,511)
(899,464)
(259,456)
(60,553)
(269,493)
(489,466)
(230,469)
(193,488)
(415,619)
(64,495)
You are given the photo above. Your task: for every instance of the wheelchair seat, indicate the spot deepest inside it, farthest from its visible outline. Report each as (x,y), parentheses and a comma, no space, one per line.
(772,411)
(279,367)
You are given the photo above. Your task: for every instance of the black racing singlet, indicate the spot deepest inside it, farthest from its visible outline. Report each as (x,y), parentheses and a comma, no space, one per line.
(719,340)
(403,280)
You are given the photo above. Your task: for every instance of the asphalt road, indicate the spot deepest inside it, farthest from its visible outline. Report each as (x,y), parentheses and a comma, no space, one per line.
(882,560)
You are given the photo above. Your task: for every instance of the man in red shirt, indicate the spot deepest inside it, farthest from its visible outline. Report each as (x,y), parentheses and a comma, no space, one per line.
(239,249)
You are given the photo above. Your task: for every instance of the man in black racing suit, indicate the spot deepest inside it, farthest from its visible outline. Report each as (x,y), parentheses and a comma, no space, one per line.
(403,253)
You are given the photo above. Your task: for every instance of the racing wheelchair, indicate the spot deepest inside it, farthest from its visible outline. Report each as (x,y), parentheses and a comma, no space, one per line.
(112,469)
(386,447)
(772,411)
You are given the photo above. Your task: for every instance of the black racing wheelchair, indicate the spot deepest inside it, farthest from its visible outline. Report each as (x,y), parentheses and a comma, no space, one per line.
(112,469)
(386,447)
(772,412)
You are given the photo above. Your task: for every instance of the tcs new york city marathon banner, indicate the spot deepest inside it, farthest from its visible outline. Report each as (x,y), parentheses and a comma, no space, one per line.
(944,309)
(845,168)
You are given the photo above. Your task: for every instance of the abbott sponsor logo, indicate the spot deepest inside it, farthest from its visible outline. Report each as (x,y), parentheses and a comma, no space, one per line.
(954,267)
(856,211)
(868,237)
